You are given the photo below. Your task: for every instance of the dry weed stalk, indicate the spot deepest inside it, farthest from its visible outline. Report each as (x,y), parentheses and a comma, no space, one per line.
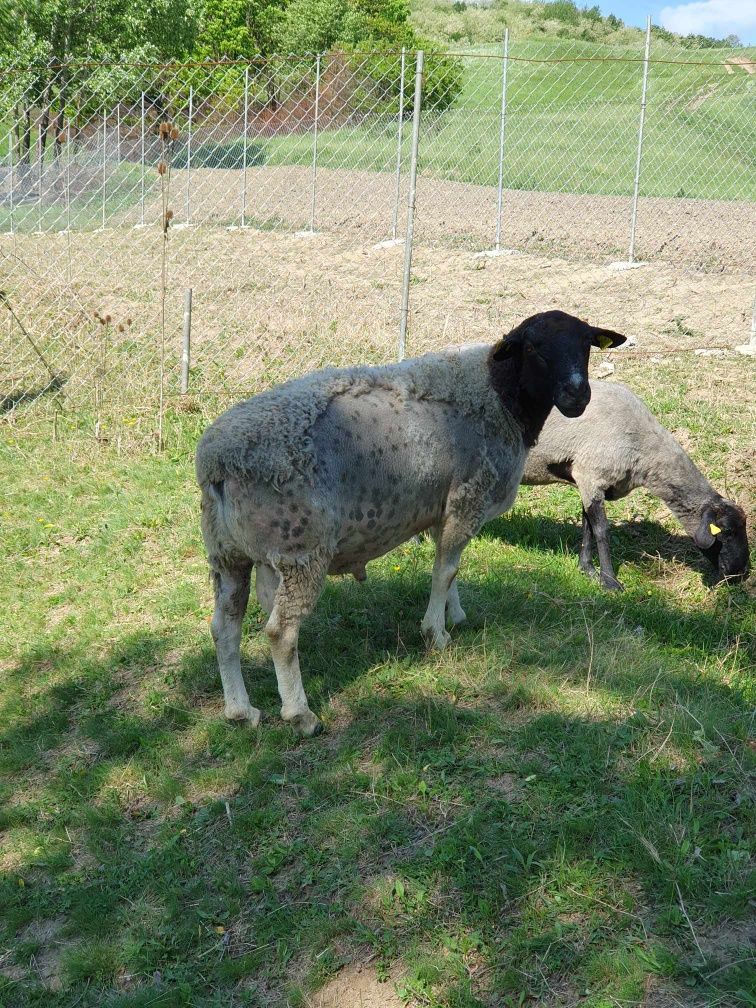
(104,330)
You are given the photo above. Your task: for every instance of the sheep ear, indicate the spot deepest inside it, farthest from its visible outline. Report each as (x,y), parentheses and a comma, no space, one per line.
(704,537)
(606,338)
(508,347)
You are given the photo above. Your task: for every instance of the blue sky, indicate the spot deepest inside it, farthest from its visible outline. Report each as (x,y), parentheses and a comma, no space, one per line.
(706,17)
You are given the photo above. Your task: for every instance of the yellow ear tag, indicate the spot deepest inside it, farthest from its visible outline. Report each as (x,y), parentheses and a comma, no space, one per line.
(714,529)
(605,342)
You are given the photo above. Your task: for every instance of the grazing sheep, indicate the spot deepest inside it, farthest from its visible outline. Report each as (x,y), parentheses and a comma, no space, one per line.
(617,445)
(321,474)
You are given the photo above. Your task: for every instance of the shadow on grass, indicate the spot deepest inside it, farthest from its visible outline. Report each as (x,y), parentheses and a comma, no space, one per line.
(631,542)
(456,818)
(22,397)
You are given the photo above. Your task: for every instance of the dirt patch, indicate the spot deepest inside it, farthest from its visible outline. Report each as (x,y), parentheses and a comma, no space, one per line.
(661,994)
(729,938)
(743,62)
(356,986)
(702,96)
(45,962)
(269,305)
(705,233)
(507,785)
(58,614)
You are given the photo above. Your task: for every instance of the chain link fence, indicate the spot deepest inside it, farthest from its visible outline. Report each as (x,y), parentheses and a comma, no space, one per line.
(330,209)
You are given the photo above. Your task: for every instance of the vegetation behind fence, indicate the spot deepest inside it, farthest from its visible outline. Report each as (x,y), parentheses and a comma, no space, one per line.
(257,183)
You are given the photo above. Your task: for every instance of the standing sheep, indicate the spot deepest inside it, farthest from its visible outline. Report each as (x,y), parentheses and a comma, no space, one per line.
(324,473)
(613,448)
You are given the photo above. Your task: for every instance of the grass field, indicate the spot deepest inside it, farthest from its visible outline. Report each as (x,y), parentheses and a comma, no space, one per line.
(558,810)
(573,126)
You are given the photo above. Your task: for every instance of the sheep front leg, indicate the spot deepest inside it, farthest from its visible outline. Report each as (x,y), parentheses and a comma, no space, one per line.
(298,591)
(231,595)
(600,528)
(449,546)
(585,563)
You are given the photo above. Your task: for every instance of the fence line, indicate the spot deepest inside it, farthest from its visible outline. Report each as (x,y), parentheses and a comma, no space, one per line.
(417,103)
(502,134)
(579,151)
(641,122)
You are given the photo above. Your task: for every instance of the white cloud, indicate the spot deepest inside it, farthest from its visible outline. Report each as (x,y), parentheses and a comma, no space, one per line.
(712,17)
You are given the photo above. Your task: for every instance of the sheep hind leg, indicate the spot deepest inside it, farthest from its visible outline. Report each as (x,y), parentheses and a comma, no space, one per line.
(231,596)
(449,546)
(298,590)
(600,528)
(266,583)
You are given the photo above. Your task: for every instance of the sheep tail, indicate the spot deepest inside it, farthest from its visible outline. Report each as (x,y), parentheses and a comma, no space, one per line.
(215,513)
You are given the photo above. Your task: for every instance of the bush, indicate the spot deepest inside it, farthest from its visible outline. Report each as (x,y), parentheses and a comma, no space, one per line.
(662,33)
(562,10)
(221,155)
(379,79)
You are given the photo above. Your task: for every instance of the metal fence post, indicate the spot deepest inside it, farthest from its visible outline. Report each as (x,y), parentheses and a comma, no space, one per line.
(749,348)
(399,132)
(244,148)
(189,156)
(104,163)
(417,102)
(187,341)
(142,160)
(10,162)
(636,184)
(40,166)
(502,135)
(68,178)
(315,141)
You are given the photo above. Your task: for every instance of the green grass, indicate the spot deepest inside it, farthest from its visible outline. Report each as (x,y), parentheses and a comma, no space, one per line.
(543,814)
(571,126)
(122,190)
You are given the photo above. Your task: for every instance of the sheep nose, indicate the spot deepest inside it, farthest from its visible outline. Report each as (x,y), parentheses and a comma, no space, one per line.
(574,395)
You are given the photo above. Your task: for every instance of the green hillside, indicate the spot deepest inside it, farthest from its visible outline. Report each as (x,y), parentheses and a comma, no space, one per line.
(572,126)
(572,123)
(455,23)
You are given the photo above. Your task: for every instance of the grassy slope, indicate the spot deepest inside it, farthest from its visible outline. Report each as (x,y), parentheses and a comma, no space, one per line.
(529,815)
(572,126)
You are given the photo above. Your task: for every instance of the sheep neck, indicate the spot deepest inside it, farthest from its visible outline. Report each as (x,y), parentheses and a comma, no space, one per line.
(528,411)
(672,476)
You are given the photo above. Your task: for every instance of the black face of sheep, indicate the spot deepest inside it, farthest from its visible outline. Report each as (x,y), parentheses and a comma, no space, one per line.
(552,349)
(723,540)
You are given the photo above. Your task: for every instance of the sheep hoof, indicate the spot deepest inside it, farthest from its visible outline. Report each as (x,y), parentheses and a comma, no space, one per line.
(610,583)
(248,715)
(435,639)
(590,571)
(307,725)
